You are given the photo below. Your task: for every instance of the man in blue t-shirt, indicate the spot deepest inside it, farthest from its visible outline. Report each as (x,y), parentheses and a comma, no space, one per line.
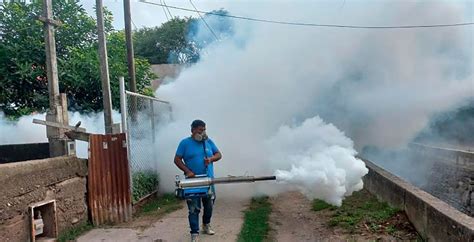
(195,156)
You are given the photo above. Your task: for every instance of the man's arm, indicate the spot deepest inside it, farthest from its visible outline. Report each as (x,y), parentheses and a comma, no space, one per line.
(217,156)
(178,161)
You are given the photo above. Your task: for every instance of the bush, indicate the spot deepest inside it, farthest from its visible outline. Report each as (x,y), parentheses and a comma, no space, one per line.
(143,183)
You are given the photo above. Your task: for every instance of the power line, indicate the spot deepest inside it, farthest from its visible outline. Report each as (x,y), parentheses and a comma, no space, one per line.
(343,3)
(168,9)
(135,26)
(209,27)
(315,24)
(164,10)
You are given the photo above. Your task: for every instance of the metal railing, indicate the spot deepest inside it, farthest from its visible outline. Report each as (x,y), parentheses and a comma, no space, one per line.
(140,118)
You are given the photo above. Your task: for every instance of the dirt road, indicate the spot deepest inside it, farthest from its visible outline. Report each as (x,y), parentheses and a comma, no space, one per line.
(299,223)
(227,222)
(293,220)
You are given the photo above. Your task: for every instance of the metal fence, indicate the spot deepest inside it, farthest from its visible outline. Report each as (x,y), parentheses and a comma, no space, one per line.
(141,116)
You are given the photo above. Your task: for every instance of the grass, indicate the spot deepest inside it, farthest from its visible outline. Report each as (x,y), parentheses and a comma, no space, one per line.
(360,208)
(164,204)
(73,233)
(319,205)
(256,227)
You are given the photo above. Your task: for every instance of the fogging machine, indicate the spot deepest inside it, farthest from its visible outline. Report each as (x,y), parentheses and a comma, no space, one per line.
(200,186)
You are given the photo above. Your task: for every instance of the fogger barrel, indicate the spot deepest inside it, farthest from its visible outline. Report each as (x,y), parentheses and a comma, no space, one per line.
(207,181)
(201,186)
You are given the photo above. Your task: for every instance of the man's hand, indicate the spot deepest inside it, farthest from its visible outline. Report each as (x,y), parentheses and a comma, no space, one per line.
(189,174)
(207,161)
(178,160)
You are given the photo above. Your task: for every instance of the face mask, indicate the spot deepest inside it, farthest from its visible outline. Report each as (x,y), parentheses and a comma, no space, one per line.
(200,137)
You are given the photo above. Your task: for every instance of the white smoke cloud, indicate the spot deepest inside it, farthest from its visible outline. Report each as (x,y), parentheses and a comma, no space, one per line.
(268,84)
(22,130)
(25,131)
(379,87)
(323,163)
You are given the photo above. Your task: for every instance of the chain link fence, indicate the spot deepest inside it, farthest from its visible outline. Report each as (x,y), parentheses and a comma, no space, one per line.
(143,116)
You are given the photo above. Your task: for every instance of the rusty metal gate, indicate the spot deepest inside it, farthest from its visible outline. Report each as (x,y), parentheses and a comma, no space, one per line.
(109,179)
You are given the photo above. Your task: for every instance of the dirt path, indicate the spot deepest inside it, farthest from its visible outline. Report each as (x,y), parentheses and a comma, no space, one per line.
(293,220)
(226,221)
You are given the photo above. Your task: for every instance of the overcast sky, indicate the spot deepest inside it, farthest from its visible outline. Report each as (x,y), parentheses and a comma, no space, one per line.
(329,12)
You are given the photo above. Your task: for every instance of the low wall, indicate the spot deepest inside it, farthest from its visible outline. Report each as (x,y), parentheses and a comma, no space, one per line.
(22,152)
(461,157)
(25,183)
(434,219)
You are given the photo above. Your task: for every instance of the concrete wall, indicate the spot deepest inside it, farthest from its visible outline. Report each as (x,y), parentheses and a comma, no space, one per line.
(164,71)
(22,152)
(434,219)
(25,183)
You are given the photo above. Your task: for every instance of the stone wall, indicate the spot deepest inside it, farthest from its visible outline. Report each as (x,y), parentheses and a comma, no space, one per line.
(452,184)
(24,183)
(434,219)
(451,177)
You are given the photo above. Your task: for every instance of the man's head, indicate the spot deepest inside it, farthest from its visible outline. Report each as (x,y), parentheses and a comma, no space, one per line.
(198,130)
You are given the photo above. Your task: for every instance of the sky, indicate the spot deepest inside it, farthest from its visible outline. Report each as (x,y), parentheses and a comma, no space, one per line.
(330,12)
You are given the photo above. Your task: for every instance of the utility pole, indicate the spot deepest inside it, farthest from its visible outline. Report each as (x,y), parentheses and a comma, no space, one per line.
(57,112)
(132,84)
(104,69)
(129,41)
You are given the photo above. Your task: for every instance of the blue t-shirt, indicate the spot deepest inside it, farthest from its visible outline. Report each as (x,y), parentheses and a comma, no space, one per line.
(192,153)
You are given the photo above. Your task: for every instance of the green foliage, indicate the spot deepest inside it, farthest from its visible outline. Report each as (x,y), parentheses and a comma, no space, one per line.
(23,83)
(256,227)
(453,126)
(180,41)
(72,233)
(319,205)
(362,207)
(165,44)
(84,87)
(165,204)
(144,183)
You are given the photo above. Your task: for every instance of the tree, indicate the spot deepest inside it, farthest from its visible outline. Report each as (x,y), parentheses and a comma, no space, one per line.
(84,87)
(199,35)
(23,83)
(180,41)
(164,44)
(454,126)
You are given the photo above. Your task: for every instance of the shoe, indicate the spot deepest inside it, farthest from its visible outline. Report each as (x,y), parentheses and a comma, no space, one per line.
(206,228)
(194,237)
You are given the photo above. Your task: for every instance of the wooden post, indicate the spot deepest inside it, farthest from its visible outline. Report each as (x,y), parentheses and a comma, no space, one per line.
(132,83)
(55,136)
(128,39)
(104,69)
